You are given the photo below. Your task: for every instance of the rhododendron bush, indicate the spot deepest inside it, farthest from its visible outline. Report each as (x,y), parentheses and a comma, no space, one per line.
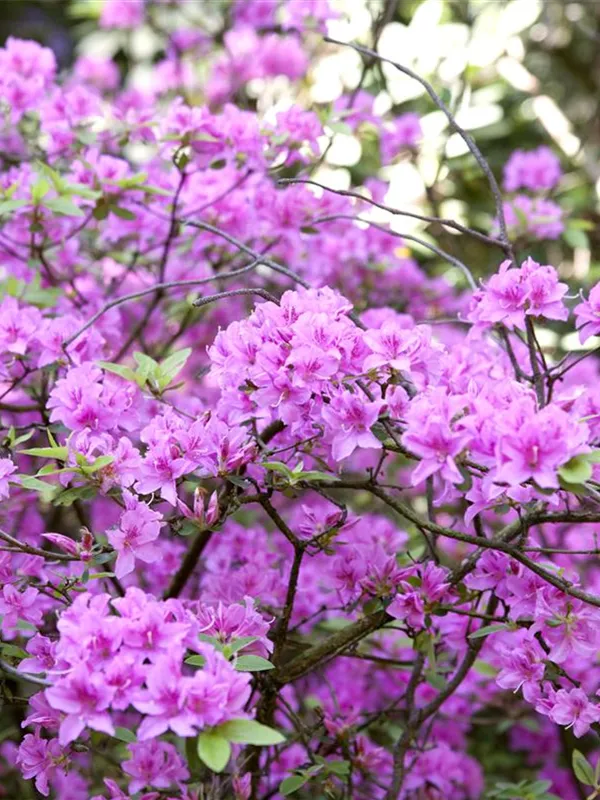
(293,503)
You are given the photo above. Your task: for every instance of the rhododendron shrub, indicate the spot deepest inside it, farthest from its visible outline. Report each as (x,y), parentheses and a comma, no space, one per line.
(286,510)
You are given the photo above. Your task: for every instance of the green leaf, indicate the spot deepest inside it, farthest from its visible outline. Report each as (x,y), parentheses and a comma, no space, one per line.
(582,768)
(60,453)
(340,127)
(538,788)
(575,238)
(68,497)
(196,661)
(99,463)
(582,224)
(487,629)
(435,679)
(6,206)
(64,206)
(133,181)
(101,210)
(147,367)
(293,783)
(313,475)
(172,366)
(124,735)
(279,466)
(248,731)
(520,215)
(214,750)
(13,651)
(39,190)
(339,768)
(46,490)
(483,668)
(122,213)
(576,470)
(119,369)
(23,625)
(239,644)
(252,664)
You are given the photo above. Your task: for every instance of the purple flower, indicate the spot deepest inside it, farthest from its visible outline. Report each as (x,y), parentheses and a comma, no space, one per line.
(6,468)
(139,527)
(588,315)
(523,668)
(512,293)
(116,14)
(43,655)
(536,170)
(15,605)
(40,759)
(164,701)
(156,764)
(403,133)
(534,444)
(571,707)
(84,697)
(350,418)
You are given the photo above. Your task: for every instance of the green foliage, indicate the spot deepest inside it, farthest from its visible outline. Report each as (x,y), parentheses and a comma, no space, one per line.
(150,374)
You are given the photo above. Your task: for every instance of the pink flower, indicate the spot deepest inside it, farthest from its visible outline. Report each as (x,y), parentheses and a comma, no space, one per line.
(534,444)
(588,315)
(160,469)
(156,764)
(40,759)
(572,708)
(139,527)
(18,326)
(116,14)
(84,697)
(15,605)
(568,625)
(512,293)
(76,399)
(230,622)
(523,668)
(43,655)
(163,702)
(404,133)
(536,170)
(350,418)
(6,468)
(409,608)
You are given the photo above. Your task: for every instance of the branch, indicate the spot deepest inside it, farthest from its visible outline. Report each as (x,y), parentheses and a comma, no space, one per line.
(158,287)
(447,223)
(335,644)
(35,551)
(204,301)
(468,140)
(434,249)
(268,262)
(188,565)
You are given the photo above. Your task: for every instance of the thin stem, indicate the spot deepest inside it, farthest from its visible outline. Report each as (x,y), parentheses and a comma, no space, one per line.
(468,140)
(447,223)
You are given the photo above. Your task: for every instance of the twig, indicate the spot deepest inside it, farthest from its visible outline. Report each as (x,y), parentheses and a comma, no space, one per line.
(434,249)
(447,223)
(468,140)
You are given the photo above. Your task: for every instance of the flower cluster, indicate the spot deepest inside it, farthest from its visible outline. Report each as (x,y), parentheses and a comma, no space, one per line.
(537,171)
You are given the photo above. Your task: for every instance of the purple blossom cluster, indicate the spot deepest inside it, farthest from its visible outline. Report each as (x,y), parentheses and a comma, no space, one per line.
(536,217)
